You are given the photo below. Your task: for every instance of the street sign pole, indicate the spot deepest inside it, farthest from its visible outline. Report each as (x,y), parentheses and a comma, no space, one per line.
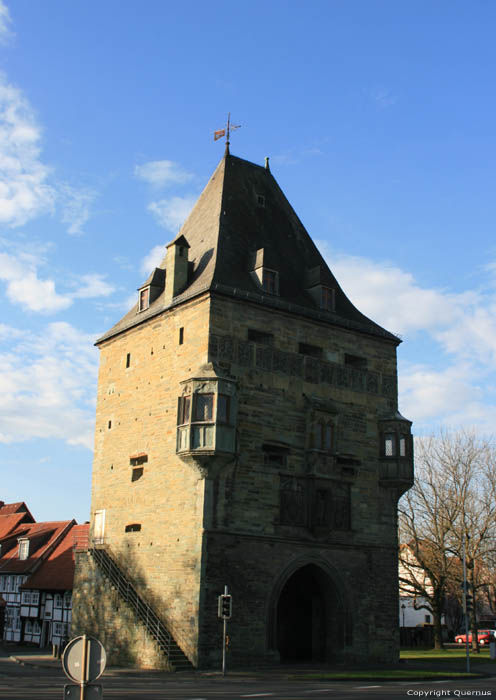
(84,672)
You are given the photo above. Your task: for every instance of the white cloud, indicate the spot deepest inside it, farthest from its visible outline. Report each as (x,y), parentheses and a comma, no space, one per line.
(24,189)
(94,285)
(460,327)
(171,213)
(162,173)
(76,206)
(153,259)
(25,288)
(48,384)
(5,21)
(464,323)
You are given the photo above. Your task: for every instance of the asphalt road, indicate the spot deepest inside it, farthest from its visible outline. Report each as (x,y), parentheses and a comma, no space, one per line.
(31,683)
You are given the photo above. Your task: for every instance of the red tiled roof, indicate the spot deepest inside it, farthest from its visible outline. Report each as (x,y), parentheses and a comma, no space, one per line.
(57,571)
(8,523)
(49,532)
(10,508)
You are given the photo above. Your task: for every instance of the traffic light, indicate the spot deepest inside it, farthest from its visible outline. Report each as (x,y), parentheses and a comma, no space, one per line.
(225,606)
(469,602)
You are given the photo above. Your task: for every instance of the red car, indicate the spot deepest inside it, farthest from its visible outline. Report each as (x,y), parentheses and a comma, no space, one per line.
(483,637)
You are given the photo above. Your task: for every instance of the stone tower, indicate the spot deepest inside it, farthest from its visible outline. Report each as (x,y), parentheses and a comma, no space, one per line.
(247,434)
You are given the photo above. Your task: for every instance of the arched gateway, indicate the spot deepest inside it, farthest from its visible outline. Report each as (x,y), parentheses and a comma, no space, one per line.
(310,619)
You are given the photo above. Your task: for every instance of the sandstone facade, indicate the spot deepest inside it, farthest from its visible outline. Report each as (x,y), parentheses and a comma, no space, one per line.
(248,436)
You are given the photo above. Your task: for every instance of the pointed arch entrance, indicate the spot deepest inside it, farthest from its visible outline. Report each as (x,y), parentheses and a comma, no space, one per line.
(309,615)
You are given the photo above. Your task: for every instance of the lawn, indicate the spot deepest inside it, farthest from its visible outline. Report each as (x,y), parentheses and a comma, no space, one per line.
(418,664)
(442,656)
(384,675)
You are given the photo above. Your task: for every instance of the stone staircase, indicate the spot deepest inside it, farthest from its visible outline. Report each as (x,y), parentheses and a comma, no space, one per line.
(142,610)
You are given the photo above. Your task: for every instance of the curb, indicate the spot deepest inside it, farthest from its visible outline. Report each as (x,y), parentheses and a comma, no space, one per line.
(33,664)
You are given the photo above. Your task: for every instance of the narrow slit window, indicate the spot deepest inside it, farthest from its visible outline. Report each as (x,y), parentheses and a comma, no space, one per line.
(110,425)
(181,336)
(402,446)
(128,360)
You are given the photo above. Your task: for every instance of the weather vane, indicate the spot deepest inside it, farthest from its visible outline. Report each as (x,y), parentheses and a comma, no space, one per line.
(226,132)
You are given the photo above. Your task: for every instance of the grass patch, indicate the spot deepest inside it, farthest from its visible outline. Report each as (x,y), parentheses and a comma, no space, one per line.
(442,656)
(384,675)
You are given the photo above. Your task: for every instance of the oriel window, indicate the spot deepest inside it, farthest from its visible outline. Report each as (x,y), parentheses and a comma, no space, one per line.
(389,445)
(223,408)
(184,410)
(204,407)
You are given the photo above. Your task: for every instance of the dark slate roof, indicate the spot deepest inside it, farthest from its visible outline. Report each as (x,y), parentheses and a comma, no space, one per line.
(225,229)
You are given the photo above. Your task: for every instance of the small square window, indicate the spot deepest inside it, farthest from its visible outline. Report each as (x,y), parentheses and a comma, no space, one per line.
(311,350)
(355,361)
(260,337)
(260,200)
(137,473)
(134,527)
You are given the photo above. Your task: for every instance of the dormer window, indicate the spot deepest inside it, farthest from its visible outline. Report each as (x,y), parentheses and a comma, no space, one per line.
(270,281)
(144,299)
(23,549)
(327,298)
(262,266)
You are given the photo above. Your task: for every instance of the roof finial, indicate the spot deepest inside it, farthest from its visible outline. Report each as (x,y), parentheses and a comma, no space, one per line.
(226,132)
(267,163)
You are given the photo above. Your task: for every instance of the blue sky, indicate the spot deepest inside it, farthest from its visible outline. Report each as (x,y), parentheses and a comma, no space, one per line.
(378,117)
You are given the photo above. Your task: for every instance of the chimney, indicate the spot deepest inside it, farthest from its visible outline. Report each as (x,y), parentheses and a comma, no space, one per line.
(176,268)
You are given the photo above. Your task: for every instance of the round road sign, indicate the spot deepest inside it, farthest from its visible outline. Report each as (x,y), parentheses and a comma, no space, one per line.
(79,649)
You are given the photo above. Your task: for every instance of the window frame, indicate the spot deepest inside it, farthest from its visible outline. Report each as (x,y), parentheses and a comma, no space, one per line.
(144,293)
(23,552)
(328,298)
(270,281)
(195,418)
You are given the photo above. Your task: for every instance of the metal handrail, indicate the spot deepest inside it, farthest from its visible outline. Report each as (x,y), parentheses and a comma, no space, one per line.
(153,624)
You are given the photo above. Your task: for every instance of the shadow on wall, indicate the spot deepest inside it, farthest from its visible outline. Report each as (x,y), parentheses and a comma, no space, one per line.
(100,611)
